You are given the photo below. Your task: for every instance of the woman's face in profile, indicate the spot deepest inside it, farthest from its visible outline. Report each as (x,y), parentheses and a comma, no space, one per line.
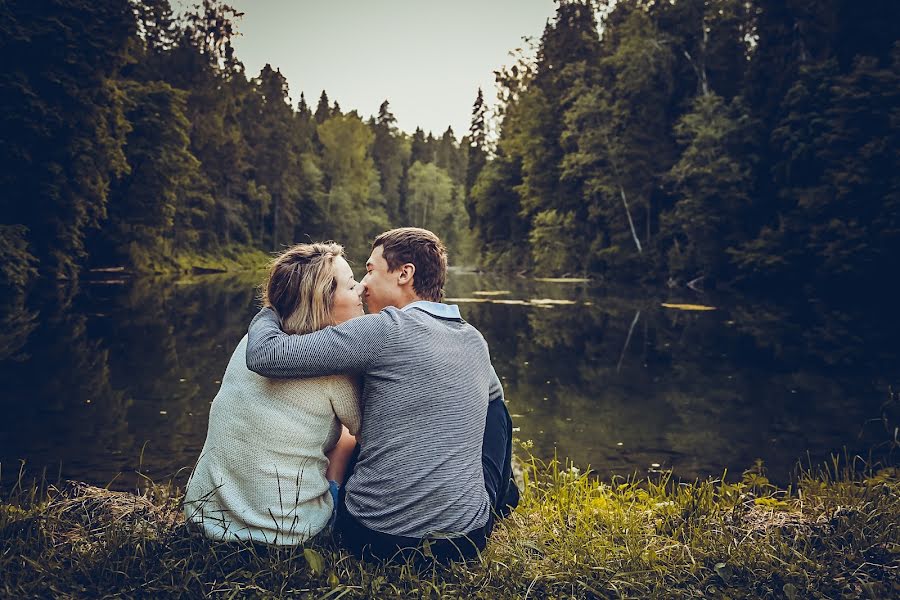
(348,295)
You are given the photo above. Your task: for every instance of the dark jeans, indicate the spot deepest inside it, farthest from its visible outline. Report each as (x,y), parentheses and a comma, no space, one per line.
(369,544)
(496,463)
(496,460)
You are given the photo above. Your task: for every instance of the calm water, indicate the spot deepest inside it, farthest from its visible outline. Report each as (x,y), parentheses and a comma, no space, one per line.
(119,377)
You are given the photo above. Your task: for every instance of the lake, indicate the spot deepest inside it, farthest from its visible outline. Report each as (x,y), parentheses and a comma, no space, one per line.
(117,379)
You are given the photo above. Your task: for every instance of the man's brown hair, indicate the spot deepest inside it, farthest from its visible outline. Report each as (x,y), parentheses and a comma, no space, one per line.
(421,248)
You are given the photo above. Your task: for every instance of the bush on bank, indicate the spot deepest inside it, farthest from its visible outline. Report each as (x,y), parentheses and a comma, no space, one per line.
(836,534)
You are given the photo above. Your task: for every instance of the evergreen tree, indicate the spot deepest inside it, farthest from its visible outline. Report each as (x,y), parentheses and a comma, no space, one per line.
(63,123)
(618,144)
(420,151)
(303,110)
(751,141)
(156,25)
(570,44)
(323,110)
(837,176)
(448,155)
(712,185)
(390,160)
(144,203)
(276,157)
(476,151)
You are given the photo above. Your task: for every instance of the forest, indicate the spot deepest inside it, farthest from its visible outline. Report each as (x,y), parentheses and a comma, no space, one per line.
(708,143)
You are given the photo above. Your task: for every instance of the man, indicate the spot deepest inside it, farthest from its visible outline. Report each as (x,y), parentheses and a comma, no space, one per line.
(435,444)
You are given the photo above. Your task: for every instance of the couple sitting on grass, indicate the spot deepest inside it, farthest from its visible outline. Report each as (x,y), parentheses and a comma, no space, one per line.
(390,426)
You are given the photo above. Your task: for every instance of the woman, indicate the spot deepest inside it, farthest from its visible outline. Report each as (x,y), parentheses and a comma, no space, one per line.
(274,451)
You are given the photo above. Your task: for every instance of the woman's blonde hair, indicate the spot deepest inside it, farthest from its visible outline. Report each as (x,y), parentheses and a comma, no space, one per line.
(300,286)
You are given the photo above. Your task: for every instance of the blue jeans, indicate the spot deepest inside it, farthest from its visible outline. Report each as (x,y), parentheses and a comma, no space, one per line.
(334,488)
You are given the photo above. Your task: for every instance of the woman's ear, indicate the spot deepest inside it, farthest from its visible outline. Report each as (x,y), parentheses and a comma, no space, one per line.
(407,272)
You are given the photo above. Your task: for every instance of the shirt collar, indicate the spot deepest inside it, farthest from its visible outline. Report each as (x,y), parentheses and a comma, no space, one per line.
(437,309)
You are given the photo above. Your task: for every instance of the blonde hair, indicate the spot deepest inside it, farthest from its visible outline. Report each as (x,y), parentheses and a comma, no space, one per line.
(300,286)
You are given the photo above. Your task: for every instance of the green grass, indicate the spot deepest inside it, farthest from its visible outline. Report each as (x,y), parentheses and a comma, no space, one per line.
(230,258)
(835,535)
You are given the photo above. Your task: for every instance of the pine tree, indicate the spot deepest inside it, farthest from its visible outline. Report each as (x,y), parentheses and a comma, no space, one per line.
(303,110)
(63,123)
(712,184)
(323,110)
(276,158)
(144,203)
(448,155)
(420,150)
(618,144)
(390,160)
(476,152)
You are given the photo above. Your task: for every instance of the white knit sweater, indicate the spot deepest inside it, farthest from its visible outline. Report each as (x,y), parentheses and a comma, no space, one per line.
(261,474)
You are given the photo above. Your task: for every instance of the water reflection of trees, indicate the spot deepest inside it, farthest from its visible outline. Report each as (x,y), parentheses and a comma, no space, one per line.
(16,324)
(690,390)
(697,391)
(58,389)
(179,337)
(86,380)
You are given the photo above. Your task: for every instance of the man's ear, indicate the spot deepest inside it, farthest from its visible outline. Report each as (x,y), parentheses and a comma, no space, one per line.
(407,272)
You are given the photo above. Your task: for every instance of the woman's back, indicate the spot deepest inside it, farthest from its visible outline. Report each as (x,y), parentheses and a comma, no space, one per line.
(261,474)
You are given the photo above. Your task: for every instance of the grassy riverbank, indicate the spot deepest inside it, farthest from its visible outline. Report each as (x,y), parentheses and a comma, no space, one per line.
(836,535)
(226,259)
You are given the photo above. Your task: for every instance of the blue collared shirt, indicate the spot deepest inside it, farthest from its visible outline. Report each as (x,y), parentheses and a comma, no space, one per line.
(437,309)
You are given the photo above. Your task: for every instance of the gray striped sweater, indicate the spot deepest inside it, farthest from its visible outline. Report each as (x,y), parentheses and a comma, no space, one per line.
(427,383)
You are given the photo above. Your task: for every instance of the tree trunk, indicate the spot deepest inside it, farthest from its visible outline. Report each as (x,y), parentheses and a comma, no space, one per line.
(649,213)
(637,242)
(699,65)
(228,202)
(615,167)
(275,221)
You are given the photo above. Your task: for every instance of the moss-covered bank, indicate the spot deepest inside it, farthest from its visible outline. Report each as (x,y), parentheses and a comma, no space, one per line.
(836,535)
(230,258)
(227,259)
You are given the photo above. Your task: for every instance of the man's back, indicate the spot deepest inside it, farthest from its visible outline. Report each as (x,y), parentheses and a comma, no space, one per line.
(425,400)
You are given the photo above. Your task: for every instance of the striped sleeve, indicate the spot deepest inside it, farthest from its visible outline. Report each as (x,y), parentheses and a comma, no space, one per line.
(350,347)
(495,389)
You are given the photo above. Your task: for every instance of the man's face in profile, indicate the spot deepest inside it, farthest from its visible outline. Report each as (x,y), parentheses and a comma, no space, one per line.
(381,289)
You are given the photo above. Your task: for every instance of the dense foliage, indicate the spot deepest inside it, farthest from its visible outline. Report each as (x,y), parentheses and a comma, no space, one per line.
(718,140)
(707,141)
(133,136)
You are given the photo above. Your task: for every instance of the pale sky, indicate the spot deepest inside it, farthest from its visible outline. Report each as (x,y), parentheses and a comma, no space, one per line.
(426,57)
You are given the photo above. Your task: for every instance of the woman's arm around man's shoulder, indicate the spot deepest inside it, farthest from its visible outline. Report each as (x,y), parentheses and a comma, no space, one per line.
(350,347)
